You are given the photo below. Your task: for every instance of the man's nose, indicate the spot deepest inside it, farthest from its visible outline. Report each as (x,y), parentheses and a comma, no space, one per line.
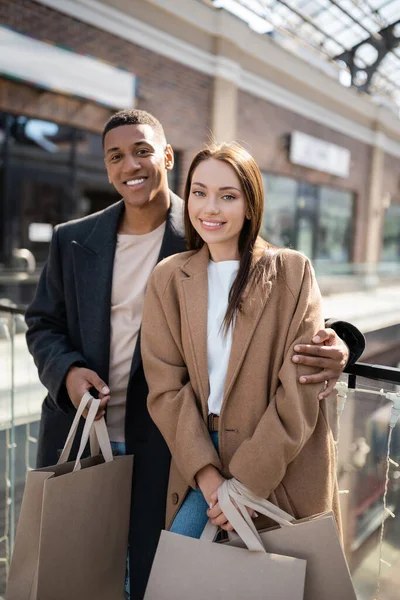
(131,163)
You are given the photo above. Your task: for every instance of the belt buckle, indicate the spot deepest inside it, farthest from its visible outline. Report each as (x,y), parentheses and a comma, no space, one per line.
(210,422)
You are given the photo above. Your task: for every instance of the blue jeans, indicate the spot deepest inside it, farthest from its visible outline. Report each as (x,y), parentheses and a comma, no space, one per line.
(192,517)
(119,449)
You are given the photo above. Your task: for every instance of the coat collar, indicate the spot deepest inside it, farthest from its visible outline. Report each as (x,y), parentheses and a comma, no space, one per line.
(195,298)
(104,233)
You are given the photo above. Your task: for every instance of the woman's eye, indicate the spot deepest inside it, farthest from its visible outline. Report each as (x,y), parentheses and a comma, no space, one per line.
(228,197)
(198,193)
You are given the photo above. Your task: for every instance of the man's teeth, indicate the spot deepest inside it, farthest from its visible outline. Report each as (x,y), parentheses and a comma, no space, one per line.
(135,181)
(212,224)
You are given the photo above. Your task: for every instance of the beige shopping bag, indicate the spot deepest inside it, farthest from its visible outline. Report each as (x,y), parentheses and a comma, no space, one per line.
(72,534)
(197,569)
(315,539)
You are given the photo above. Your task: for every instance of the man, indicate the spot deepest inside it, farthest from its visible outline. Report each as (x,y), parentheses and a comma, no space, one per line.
(84,322)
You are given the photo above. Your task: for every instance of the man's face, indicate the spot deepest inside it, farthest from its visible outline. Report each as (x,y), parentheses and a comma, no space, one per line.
(137,163)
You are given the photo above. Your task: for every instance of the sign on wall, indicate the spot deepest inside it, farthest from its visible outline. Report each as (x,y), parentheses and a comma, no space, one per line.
(314,153)
(53,68)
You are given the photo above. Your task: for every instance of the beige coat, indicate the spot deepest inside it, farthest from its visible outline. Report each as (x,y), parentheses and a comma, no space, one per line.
(273,432)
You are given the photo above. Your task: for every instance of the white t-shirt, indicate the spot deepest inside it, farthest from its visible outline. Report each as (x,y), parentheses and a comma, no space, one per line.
(221,275)
(135,258)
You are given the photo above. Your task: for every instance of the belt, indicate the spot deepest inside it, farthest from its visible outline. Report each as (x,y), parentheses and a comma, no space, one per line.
(213,421)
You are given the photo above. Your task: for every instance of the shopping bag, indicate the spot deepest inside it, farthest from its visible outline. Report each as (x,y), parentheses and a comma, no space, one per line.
(72,533)
(185,568)
(315,539)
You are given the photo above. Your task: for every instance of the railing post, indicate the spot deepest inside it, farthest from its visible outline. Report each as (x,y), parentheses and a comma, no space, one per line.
(12,437)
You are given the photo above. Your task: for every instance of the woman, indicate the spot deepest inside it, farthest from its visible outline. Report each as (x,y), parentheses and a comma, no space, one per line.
(219,326)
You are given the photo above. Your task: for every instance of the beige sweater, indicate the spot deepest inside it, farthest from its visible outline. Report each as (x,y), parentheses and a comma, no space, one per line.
(135,258)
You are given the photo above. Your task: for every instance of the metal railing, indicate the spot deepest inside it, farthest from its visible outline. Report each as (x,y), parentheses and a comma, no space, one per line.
(360,418)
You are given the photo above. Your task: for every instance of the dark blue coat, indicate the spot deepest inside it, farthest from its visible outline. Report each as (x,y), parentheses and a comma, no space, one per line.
(68,323)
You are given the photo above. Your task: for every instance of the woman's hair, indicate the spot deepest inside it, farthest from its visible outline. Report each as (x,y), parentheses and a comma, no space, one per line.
(257,262)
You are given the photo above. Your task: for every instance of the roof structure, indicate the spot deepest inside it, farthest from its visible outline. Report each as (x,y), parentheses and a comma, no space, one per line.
(360,38)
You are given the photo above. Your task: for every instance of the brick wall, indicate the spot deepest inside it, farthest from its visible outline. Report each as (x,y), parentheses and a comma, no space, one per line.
(178,96)
(263,127)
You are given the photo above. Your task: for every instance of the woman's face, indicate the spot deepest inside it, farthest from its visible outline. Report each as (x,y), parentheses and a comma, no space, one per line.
(217,208)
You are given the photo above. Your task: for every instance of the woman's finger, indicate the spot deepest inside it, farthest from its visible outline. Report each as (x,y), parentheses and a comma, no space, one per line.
(220,520)
(214,512)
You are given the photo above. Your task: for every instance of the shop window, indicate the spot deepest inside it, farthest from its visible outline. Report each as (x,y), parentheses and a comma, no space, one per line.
(335,223)
(279,226)
(316,220)
(391,235)
(174,176)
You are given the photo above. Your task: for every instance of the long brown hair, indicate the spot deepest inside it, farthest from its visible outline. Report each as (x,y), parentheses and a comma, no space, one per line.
(256,256)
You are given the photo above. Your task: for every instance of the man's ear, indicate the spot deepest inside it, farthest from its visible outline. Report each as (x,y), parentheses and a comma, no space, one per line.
(169,157)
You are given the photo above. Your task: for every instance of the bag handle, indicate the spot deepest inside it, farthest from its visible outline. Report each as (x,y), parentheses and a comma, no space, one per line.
(96,429)
(232,490)
(101,434)
(64,456)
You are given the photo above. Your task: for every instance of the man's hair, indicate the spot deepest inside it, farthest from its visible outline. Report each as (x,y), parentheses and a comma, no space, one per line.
(133,116)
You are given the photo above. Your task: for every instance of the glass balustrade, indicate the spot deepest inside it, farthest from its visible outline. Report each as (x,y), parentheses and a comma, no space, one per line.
(360,419)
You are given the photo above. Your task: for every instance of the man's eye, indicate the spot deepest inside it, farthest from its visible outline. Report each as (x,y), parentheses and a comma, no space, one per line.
(143,152)
(115,157)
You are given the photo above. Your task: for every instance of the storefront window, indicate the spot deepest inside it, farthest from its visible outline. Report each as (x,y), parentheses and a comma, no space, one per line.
(49,173)
(316,220)
(334,225)
(391,235)
(280,209)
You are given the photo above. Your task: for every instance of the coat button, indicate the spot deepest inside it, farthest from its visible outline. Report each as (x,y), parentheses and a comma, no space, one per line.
(175,498)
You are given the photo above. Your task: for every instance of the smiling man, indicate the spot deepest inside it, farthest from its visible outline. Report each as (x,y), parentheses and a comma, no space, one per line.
(84,322)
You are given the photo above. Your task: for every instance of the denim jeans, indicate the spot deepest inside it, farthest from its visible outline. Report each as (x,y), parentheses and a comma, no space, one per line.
(192,517)
(119,449)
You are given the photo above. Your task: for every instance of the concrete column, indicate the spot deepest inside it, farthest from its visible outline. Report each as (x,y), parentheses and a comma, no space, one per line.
(375,209)
(225,100)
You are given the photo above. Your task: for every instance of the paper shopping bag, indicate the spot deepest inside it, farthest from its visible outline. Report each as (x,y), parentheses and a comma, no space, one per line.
(315,539)
(197,569)
(72,533)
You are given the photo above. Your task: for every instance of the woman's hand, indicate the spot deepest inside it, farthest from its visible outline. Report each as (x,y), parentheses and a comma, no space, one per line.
(217,516)
(209,479)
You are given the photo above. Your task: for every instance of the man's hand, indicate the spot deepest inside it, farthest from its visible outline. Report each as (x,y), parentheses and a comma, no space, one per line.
(327,352)
(79,381)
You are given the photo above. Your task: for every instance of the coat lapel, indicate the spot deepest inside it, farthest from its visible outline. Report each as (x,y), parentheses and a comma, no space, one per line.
(245,326)
(172,243)
(195,301)
(93,267)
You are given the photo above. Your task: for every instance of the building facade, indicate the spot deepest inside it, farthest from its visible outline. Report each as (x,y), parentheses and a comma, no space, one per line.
(205,75)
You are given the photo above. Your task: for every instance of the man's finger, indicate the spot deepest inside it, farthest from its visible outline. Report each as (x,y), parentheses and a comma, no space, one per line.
(98,383)
(329,388)
(324,375)
(324,336)
(318,362)
(331,352)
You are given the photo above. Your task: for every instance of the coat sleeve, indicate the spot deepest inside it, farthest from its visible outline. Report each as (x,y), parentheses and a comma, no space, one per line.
(171,401)
(351,336)
(47,334)
(260,462)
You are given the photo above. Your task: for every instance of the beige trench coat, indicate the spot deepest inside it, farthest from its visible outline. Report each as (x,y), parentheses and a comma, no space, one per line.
(273,431)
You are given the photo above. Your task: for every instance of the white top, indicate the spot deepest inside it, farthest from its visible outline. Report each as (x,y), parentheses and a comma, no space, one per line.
(221,276)
(135,258)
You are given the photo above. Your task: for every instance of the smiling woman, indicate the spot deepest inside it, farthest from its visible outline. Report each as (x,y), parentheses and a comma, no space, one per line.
(219,326)
(217,208)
